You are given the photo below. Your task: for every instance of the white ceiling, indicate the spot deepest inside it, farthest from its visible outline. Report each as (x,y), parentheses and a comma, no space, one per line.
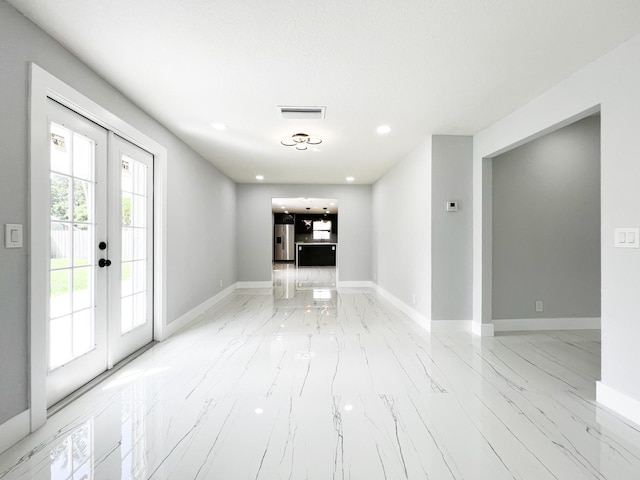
(304,205)
(421,66)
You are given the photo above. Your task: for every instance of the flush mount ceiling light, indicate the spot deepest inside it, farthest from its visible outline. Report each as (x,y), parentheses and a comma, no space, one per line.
(383,129)
(300,141)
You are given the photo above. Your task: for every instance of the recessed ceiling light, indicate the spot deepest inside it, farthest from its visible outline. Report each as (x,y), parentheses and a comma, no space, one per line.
(350,179)
(219,126)
(282,207)
(383,129)
(259,177)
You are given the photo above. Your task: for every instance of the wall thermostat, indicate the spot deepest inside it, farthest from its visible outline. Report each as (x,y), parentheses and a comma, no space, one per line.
(452,206)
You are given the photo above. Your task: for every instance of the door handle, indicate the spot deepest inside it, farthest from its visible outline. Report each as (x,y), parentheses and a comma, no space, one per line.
(104,263)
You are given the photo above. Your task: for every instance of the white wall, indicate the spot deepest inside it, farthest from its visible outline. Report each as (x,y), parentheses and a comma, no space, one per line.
(402,230)
(613,82)
(255,228)
(546,226)
(197,254)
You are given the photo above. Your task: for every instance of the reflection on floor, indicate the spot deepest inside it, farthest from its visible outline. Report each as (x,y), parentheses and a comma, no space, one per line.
(304,381)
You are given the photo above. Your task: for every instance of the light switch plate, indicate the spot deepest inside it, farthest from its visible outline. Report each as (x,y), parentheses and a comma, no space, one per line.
(627,237)
(12,235)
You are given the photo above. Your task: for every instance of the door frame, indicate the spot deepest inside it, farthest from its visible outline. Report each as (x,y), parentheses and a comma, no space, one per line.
(45,85)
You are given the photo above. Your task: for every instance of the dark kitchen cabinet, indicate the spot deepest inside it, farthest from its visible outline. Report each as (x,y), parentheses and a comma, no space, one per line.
(316,255)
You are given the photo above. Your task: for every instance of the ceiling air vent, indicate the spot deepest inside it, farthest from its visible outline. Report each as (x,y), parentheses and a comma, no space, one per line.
(302,113)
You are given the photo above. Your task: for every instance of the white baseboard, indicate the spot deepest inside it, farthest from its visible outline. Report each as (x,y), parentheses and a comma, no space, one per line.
(451,325)
(510,325)
(356,284)
(185,319)
(426,323)
(413,314)
(14,430)
(618,402)
(265,284)
(483,329)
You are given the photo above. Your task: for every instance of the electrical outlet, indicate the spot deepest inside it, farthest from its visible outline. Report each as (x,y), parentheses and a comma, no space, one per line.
(220,282)
(414,298)
(539,306)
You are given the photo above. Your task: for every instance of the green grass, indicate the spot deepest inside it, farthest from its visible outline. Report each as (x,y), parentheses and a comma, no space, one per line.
(60,278)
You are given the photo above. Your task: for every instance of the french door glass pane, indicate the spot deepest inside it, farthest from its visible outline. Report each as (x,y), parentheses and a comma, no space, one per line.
(139,276)
(139,211)
(72,265)
(83,252)
(82,206)
(82,158)
(126,313)
(82,332)
(82,288)
(60,199)
(60,151)
(135,234)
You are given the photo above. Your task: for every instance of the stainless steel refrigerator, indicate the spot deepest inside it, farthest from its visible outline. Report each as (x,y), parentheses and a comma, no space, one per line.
(284,243)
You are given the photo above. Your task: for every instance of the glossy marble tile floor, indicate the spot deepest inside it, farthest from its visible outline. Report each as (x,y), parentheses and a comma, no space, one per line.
(304,381)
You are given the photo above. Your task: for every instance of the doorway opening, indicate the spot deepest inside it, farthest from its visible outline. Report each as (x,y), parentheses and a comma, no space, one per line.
(305,231)
(545,218)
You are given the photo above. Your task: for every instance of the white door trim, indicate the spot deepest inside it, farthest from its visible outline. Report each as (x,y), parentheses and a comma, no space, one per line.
(44,85)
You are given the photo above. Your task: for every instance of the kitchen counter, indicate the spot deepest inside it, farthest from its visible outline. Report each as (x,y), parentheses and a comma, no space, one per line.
(316,243)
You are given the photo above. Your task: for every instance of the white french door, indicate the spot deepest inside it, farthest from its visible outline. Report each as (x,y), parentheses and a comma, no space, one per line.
(100,271)
(130,248)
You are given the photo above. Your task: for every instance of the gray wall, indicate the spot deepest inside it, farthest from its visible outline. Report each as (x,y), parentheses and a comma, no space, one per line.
(402,230)
(196,192)
(546,225)
(201,231)
(255,228)
(451,232)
